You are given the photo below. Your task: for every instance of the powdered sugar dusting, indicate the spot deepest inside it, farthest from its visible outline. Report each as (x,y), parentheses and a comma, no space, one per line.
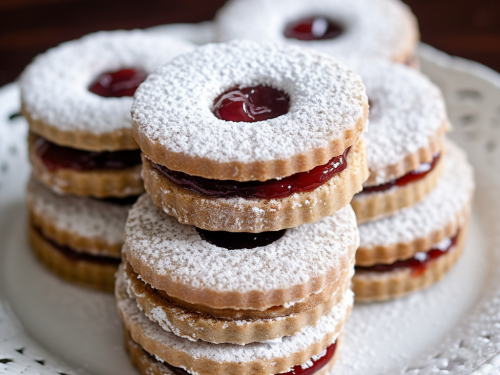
(222,353)
(173,107)
(382,28)
(451,194)
(406,111)
(86,217)
(55,86)
(167,247)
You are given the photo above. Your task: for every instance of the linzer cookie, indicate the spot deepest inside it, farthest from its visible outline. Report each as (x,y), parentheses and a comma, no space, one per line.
(79,239)
(77,99)
(236,287)
(415,247)
(369,28)
(313,346)
(404,143)
(247,137)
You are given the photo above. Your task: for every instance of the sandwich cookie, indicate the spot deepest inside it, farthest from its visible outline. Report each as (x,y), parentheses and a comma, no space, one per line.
(248,137)
(77,99)
(415,247)
(404,141)
(78,239)
(373,28)
(236,288)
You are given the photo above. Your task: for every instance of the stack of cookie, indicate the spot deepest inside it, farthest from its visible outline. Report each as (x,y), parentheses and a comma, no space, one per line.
(86,163)
(415,205)
(240,258)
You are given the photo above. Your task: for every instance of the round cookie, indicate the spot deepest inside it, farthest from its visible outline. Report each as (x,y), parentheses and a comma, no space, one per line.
(79,239)
(55,88)
(203,358)
(196,322)
(374,28)
(404,141)
(389,245)
(174,258)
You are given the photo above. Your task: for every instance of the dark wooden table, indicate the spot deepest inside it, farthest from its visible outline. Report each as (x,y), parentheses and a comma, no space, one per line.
(467,28)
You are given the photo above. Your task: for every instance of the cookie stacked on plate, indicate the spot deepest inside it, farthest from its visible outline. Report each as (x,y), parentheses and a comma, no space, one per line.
(414,207)
(240,258)
(86,163)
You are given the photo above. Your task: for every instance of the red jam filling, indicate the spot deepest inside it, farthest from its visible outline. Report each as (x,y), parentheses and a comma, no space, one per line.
(56,157)
(76,256)
(423,170)
(317,364)
(313,28)
(237,241)
(271,189)
(251,104)
(117,84)
(420,262)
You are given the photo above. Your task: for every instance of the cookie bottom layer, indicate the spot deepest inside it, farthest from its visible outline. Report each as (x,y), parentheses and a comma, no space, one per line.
(374,286)
(95,183)
(148,365)
(372,206)
(258,215)
(93,274)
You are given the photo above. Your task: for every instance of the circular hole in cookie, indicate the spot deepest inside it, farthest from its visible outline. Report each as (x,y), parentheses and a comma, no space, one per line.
(117,84)
(251,104)
(238,241)
(313,28)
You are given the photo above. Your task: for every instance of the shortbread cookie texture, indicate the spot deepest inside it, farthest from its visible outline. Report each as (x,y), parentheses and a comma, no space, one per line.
(149,365)
(86,225)
(56,96)
(416,229)
(176,259)
(321,109)
(249,214)
(189,323)
(97,272)
(382,283)
(372,28)
(210,359)
(116,177)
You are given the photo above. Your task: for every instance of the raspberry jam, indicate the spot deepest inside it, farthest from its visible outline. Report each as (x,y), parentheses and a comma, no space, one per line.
(237,241)
(117,84)
(76,256)
(271,189)
(251,104)
(317,364)
(312,28)
(420,262)
(56,157)
(423,170)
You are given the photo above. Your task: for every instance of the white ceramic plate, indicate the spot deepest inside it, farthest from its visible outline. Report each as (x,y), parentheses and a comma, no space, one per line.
(50,327)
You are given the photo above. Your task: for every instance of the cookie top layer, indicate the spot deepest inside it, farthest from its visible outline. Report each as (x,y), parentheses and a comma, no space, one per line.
(82,217)
(377,28)
(407,118)
(442,208)
(175,126)
(145,332)
(174,258)
(55,85)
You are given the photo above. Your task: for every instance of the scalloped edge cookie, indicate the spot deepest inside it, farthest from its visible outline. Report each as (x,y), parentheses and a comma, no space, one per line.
(373,286)
(258,215)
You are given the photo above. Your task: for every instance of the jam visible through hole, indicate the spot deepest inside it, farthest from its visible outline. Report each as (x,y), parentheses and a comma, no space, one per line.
(271,189)
(423,170)
(117,84)
(251,104)
(238,241)
(313,28)
(420,262)
(56,157)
